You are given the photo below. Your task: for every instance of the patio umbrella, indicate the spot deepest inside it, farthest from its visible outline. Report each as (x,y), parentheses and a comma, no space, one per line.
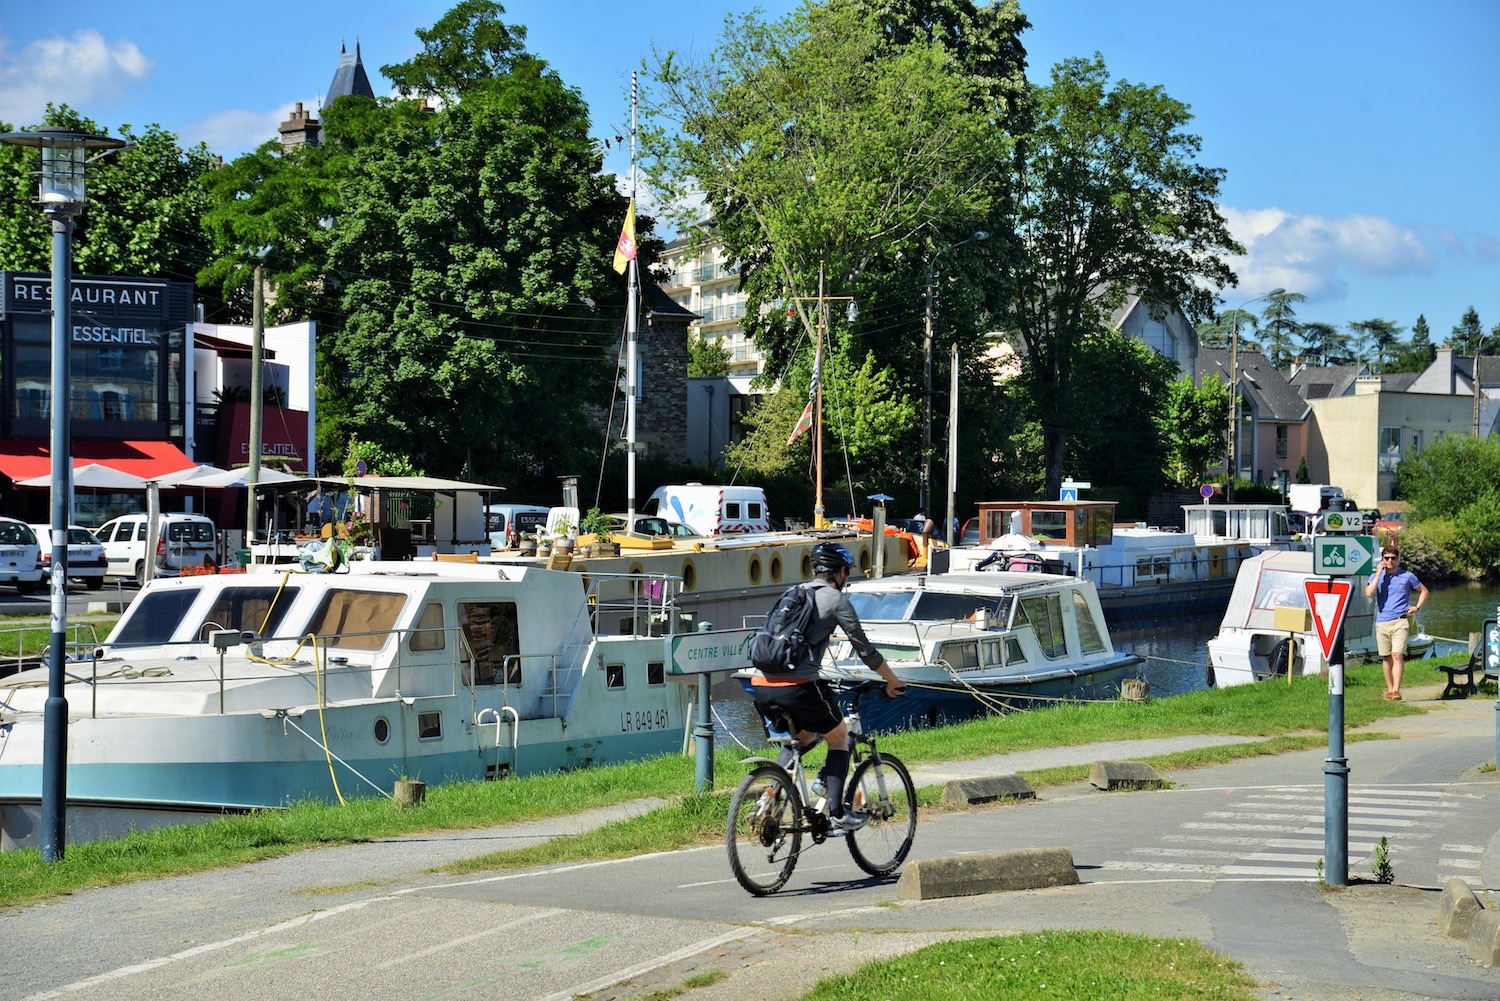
(92,476)
(241,478)
(189,477)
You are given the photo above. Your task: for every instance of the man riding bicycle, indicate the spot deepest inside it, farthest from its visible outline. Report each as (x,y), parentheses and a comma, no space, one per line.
(809,701)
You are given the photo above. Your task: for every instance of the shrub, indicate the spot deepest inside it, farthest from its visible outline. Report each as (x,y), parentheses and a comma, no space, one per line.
(1427,547)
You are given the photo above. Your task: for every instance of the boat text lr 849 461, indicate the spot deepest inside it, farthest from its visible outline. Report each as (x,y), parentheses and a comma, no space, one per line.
(238,691)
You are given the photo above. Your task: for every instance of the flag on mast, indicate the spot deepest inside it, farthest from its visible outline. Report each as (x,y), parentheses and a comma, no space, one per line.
(805,422)
(625,248)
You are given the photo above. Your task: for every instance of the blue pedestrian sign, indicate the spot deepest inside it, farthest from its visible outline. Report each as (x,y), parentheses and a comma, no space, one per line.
(1343,555)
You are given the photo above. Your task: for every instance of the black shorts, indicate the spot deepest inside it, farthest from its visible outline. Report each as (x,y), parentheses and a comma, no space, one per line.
(812,706)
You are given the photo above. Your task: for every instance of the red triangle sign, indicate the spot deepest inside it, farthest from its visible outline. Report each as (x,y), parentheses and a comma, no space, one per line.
(1328,598)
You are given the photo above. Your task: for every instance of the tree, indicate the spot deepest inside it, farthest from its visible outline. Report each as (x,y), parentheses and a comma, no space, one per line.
(1323,344)
(1110,200)
(1416,354)
(1281,327)
(707,357)
(1466,334)
(1221,333)
(1381,335)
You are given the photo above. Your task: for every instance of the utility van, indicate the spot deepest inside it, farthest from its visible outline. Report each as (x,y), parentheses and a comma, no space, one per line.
(182,540)
(710,509)
(524,518)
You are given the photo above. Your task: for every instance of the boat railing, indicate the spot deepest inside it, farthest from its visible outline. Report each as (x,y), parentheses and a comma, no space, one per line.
(80,638)
(632,604)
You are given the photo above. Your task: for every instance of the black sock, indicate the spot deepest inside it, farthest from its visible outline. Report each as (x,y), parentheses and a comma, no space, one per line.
(835,770)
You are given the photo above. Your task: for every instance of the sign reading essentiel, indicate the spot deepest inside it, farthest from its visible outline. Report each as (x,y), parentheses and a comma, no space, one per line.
(116,335)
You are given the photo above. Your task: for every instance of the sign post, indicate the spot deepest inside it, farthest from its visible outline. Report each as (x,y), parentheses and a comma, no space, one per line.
(1328,600)
(702,653)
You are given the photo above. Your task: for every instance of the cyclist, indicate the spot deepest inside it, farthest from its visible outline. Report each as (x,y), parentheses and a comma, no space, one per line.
(809,701)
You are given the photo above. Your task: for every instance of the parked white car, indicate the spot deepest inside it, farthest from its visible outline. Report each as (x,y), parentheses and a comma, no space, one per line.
(20,556)
(86,561)
(182,540)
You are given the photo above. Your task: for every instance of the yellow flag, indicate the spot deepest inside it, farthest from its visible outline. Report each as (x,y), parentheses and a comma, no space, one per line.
(625,249)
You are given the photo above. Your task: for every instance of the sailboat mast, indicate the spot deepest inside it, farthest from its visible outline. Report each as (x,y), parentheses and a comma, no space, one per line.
(818,520)
(631,309)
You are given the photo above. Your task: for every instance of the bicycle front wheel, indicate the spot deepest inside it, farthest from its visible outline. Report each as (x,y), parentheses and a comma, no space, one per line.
(765,831)
(881,845)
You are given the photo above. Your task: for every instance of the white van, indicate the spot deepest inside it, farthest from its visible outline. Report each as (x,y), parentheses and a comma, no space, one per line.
(526,518)
(182,540)
(20,556)
(712,510)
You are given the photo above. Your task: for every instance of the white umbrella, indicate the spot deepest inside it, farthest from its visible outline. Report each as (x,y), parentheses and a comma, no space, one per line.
(241,478)
(189,476)
(92,476)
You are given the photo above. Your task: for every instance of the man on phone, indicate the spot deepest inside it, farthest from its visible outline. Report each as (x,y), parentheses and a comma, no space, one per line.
(1392,589)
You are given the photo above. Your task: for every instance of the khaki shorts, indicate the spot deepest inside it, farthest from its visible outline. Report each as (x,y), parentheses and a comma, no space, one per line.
(1390,637)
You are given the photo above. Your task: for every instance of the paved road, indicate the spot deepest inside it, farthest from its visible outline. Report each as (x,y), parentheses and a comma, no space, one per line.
(1228,856)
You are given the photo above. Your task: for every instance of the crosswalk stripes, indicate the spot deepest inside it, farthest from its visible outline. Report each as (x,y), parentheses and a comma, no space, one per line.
(1277,833)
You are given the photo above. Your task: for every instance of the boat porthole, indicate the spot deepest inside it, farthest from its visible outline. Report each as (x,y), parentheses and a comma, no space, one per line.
(689,575)
(806,566)
(637,587)
(864,559)
(755,570)
(382,730)
(775,569)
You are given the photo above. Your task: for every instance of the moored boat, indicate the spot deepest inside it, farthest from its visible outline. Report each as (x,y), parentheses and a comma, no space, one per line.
(971,643)
(1267,630)
(1139,571)
(237,691)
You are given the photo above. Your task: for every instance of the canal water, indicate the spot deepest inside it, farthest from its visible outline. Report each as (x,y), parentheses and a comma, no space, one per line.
(1174,651)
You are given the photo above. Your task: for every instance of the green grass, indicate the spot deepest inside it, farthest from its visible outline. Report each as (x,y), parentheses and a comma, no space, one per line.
(1048,964)
(1288,717)
(29,635)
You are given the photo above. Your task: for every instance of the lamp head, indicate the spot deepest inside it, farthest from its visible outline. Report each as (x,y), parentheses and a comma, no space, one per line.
(64,159)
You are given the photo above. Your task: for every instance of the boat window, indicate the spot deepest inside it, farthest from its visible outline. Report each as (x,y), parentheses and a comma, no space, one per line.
(429,725)
(877,606)
(1088,629)
(614,675)
(356,620)
(1153,568)
(257,609)
(1044,612)
(1013,652)
(1049,524)
(938,605)
(153,618)
(429,633)
(960,656)
(493,632)
(656,673)
(1279,589)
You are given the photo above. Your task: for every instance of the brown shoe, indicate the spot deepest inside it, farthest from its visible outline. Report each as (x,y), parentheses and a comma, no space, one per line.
(1387,696)
(1395,696)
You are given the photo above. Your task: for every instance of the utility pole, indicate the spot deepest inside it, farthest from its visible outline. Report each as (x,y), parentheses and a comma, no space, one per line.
(257,390)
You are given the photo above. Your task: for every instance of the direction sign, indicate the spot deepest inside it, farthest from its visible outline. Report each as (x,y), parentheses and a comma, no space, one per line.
(702,653)
(1328,599)
(1343,555)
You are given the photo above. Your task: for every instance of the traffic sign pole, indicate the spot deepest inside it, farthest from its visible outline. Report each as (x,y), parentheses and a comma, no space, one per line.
(1336,775)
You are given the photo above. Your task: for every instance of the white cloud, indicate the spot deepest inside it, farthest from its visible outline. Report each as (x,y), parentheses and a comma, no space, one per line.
(83,71)
(239,130)
(1317,256)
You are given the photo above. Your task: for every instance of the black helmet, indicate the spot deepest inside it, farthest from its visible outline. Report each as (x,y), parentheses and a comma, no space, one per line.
(830,556)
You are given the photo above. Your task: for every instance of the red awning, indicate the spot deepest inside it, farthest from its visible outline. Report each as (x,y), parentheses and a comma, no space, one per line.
(21,460)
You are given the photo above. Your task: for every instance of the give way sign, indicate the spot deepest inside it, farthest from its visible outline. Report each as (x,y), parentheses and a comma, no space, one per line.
(1328,599)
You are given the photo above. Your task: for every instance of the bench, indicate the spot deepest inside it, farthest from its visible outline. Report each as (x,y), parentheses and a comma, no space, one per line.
(1461,682)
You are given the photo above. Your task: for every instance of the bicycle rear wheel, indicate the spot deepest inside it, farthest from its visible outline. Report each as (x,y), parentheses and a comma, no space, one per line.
(764,833)
(881,845)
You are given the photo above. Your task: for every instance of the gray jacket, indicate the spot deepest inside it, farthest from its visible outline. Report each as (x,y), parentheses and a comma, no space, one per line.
(833,612)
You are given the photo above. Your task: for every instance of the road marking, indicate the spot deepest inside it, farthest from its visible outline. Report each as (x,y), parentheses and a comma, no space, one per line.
(609,980)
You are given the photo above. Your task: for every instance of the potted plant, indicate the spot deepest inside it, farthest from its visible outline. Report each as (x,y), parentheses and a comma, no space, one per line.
(566,536)
(599,525)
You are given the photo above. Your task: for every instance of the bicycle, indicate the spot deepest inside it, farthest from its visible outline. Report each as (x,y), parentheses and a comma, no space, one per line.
(771,810)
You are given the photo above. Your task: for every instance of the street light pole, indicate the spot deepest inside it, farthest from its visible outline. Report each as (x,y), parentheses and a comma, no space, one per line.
(924,499)
(1230,455)
(64,158)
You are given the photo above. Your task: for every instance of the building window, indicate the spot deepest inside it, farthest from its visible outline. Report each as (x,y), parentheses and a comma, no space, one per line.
(1281,441)
(1390,449)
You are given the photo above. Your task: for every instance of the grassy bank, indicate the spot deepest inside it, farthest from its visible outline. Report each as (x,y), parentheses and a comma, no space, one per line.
(1287,716)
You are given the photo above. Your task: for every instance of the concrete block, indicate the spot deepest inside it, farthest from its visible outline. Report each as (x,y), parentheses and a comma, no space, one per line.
(967,792)
(986,872)
(1456,908)
(1124,775)
(1484,938)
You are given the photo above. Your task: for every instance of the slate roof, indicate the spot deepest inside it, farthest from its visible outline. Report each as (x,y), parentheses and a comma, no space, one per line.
(349,80)
(1272,397)
(1324,382)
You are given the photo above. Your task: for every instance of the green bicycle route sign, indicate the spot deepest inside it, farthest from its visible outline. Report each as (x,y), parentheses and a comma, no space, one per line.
(1343,555)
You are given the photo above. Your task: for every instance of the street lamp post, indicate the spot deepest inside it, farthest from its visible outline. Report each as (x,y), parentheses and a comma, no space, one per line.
(925,498)
(64,158)
(1234,392)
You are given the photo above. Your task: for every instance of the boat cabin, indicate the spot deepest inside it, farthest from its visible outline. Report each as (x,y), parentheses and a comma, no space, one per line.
(1058,523)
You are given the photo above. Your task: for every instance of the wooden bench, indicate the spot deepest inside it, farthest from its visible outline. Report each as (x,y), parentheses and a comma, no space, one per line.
(1461,683)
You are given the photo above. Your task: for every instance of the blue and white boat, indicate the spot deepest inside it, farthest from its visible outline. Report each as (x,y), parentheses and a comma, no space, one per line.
(231,692)
(968,644)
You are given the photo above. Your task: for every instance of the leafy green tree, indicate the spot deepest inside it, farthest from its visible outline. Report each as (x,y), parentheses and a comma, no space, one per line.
(1416,354)
(1456,480)
(142,212)
(706,357)
(1281,328)
(1111,200)
(1190,421)
(1382,336)
(1220,332)
(1466,334)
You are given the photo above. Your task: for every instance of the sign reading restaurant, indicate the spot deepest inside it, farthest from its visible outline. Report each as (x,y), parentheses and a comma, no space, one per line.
(128,355)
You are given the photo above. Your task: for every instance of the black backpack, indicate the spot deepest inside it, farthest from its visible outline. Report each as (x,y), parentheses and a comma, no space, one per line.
(780,644)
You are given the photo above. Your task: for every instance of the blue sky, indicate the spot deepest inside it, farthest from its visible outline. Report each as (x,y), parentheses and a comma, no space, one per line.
(1360,138)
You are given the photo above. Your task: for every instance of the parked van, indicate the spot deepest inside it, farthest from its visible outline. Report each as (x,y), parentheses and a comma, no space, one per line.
(182,540)
(712,510)
(526,519)
(20,556)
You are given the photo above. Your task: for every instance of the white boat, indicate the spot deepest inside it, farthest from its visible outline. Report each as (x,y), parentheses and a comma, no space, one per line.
(1139,571)
(236,691)
(1268,630)
(972,643)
